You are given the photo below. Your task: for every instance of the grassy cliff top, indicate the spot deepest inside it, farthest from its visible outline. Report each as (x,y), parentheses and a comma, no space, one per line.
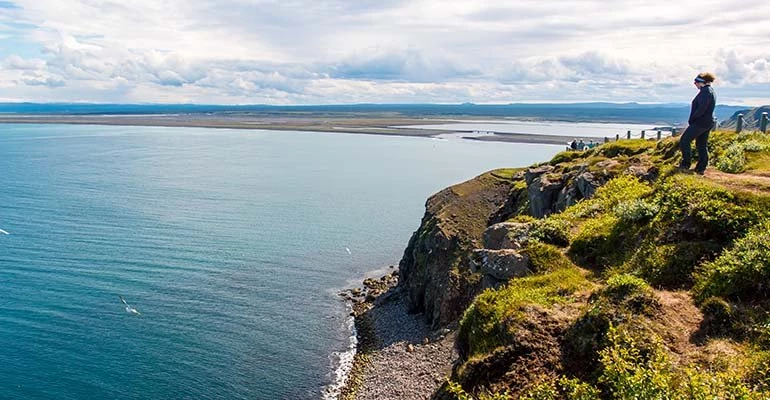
(652,287)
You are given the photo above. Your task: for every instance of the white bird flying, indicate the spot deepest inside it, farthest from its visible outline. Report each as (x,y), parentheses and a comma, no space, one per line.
(348,250)
(129,309)
(4,232)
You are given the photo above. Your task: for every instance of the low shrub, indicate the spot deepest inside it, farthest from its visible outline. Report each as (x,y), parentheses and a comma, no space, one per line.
(452,390)
(634,370)
(631,293)
(522,218)
(630,372)
(636,210)
(562,389)
(755,146)
(732,160)
(742,272)
(551,230)
(717,316)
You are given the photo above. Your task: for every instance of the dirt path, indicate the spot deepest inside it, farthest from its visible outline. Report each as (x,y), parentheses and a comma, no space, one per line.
(681,332)
(681,320)
(743,181)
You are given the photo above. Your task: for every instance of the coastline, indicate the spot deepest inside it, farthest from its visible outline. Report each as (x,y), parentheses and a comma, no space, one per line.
(397,355)
(369,124)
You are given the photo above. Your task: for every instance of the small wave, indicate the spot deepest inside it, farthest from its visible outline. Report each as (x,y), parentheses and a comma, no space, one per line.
(344,362)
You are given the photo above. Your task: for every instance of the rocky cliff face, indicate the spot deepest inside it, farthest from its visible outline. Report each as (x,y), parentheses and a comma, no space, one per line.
(450,259)
(434,270)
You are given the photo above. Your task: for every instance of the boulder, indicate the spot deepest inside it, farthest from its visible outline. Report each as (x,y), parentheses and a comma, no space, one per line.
(533,173)
(542,196)
(586,185)
(647,173)
(501,265)
(506,235)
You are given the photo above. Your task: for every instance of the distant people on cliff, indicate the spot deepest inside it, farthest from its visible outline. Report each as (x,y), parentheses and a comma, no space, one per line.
(573,145)
(701,122)
(581,145)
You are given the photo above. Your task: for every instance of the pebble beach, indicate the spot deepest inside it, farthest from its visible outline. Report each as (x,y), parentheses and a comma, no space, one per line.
(399,356)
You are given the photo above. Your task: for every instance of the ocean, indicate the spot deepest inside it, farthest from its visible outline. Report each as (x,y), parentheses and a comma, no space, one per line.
(232,245)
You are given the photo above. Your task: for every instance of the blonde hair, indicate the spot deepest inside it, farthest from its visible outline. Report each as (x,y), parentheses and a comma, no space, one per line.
(707,76)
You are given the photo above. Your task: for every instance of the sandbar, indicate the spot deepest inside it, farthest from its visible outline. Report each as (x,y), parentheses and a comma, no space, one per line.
(368,123)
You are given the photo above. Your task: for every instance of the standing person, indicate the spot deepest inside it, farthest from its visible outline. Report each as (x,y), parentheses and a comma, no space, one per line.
(701,122)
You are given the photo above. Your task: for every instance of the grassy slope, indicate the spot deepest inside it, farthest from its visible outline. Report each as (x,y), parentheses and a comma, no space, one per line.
(657,289)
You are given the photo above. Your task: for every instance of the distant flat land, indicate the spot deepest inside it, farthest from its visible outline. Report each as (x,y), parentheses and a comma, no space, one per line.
(371,123)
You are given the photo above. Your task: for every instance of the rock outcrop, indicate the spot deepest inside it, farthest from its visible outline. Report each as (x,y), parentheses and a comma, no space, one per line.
(464,243)
(499,266)
(505,235)
(435,269)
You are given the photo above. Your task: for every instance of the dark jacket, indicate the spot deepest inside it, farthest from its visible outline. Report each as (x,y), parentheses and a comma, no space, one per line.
(702,112)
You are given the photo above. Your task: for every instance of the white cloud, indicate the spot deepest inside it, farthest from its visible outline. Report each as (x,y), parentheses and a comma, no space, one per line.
(337,51)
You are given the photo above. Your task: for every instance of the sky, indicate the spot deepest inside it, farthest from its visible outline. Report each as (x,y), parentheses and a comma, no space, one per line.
(285,52)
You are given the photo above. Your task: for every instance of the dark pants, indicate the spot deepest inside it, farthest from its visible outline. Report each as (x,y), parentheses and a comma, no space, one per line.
(701,137)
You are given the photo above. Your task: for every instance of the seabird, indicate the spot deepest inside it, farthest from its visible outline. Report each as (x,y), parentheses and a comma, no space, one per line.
(129,309)
(348,250)
(4,232)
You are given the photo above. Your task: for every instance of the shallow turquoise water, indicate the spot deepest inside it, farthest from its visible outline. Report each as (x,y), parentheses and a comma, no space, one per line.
(232,245)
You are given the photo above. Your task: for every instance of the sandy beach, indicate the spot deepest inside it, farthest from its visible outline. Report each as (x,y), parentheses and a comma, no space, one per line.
(359,123)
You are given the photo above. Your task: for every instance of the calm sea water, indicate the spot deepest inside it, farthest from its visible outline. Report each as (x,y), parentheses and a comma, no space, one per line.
(231,244)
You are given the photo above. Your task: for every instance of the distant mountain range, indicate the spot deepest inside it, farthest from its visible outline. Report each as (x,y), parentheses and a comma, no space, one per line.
(661,114)
(751,118)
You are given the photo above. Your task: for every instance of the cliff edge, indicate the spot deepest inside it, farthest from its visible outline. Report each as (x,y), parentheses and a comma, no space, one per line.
(603,274)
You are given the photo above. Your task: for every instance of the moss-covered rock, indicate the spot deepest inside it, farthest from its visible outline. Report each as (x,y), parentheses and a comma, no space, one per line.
(496,315)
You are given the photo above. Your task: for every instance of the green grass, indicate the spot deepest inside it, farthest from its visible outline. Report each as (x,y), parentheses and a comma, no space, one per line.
(620,189)
(545,258)
(758,162)
(492,319)
(506,173)
(741,272)
(626,147)
(567,156)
